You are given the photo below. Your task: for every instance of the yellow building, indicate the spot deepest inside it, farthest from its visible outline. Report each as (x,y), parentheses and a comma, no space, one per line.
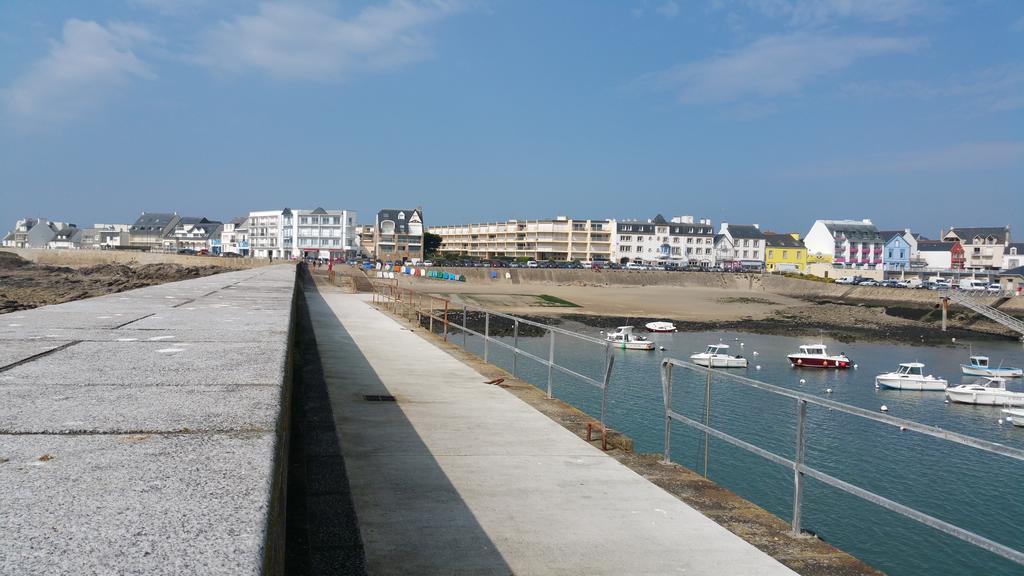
(785,253)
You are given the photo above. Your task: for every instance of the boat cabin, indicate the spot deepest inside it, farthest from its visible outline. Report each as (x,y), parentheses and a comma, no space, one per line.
(979,361)
(813,350)
(625,334)
(913,369)
(717,349)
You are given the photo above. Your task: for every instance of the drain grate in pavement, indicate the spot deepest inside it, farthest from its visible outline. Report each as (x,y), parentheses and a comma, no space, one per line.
(378,398)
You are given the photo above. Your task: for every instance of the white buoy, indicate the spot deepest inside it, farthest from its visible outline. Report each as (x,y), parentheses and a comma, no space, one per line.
(954,339)
(828,390)
(742,344)
(802,381)
(755,352)
(945,401)
(602,331)
(1000,421)
(661,347)
(884,408)
(854,366)
(903,428)
(758,367)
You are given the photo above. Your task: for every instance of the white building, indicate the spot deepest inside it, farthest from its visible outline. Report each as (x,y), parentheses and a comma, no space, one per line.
(315,233)
(740,246)
(68,238)
(681,240)
(983,247)
(1014,256)
(850,243)
(561,238)
(192,234)
(935,254)
(234,237)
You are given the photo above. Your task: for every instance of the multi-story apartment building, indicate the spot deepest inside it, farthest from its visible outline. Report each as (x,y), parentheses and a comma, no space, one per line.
(314,233)
(740,246)
(366,240)
(560,238)
(681,240)
(851,243)
(192,233)
(983,247)
(149,231)
(234,236)
(398,235)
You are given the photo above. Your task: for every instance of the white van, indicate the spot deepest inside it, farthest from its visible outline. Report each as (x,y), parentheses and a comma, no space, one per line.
(531,264)
(973,285)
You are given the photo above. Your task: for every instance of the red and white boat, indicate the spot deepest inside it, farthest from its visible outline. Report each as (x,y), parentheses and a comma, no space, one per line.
(816,356)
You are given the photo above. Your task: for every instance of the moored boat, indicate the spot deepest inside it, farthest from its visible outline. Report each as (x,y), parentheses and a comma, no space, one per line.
(660,326)
(979,366)
(986,391)
(717,356)
(816,356)
(910,376)
(624,338)
(1015,416)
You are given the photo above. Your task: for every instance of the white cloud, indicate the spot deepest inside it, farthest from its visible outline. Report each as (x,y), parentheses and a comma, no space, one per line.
(821,11)
(169,7)
(964,157)
(994,89)
(308,41)
(669,9)
(89,63)
(773,66)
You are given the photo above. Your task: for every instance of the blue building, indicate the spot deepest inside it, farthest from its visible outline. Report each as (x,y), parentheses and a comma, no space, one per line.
(896,250)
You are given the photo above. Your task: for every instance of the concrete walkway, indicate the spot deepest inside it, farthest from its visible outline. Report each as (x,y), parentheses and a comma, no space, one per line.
(458,477)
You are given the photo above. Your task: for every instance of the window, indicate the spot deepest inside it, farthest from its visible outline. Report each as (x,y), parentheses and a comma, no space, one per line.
(755,253)
(785,254)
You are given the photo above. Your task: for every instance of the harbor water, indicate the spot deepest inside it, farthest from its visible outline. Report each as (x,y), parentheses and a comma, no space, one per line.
(970,488)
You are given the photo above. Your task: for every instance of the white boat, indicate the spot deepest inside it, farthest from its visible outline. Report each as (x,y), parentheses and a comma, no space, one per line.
(624,338)
(816,356)
(987,391)
(1015,416)
(717,356)
(979,366)
(910,376)
(660,326)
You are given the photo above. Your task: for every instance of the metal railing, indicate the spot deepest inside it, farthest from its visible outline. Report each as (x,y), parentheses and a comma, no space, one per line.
(966,300)
(430,309)
(801,469)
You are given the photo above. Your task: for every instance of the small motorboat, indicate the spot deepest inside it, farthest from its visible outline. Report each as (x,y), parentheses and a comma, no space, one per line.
(986,391)
(1015,416)
(815,356)
(980,366)
(717,356)
(624,338)
(910,376)
(660,327)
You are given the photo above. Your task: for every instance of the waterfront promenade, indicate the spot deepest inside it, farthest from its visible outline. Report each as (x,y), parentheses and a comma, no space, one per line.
(459,477)
(142,432)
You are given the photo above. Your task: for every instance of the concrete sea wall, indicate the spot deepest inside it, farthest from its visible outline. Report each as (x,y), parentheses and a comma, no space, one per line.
(146,432)
(79,258)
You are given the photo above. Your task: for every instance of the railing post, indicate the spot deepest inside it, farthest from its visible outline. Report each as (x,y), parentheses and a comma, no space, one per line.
(604,394)
(945,310)
(430,313)
(465,334)
(666,396)
(551,361)
(798,465)
(487,333)
(515,349)
(707,419)
(445,320)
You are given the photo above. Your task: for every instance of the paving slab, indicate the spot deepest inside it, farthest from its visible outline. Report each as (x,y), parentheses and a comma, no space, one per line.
(19,350)
(457,476)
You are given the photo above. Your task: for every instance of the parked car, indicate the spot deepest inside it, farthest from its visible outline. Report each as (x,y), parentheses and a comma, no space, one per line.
(869,282)
(187,252)
(532,264)
(846,280)
(994,288)
(941,284)
(973,285)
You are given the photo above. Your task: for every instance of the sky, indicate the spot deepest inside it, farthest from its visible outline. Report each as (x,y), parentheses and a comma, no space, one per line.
(776,112)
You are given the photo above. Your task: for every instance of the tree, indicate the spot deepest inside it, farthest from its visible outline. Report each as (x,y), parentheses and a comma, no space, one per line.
(431,244)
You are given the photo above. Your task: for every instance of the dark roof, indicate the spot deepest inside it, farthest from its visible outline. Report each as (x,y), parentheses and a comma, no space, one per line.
(67,232)
(890,234)
(856,232)
(319,210)
(401,224)
(965,234)
(240,221)
(781,241)
(1018,245)
(1018,271)
(152,221)
(659,219)
(934,246)
(196,220)
(744,231)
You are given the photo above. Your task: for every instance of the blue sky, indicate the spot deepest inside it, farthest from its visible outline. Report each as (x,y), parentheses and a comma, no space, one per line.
(909,112)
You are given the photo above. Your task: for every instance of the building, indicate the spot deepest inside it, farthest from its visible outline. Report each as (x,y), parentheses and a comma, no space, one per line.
(68,238)
(32,233)
(784,253)
(1012,280)
(740,246)
(983,247)
(316,233)
(1014,257)
(149,231)
(851,243)
(936,254)
(192,233)
(681,240)
(366,240)
(398,235)
(561,238)
(896,250)
(234,236)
